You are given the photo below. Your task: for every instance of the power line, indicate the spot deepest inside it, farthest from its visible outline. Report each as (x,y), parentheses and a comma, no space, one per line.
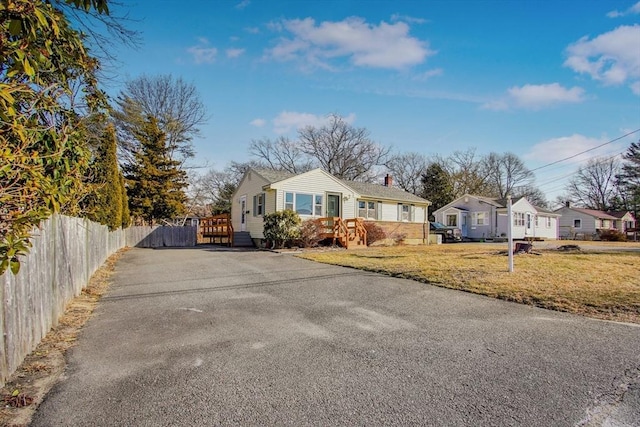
(585,151)
(599,160)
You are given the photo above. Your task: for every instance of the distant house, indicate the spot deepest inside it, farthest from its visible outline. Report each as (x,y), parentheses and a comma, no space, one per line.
(318,194)
(480,217)
(589,223)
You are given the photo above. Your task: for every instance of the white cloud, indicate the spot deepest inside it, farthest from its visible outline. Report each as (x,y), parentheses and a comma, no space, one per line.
(428,74)
(252,30)
(559,148)
(287,121)
(258,122)
(202,53)
(633,10)
(234,53)
(410,19)
(363,44)
(538,96)
(535,97)
(612,58)
(243,4)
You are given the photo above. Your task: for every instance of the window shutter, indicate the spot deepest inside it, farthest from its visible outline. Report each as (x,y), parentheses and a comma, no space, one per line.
(255,205)
(399,211)
(412,213)
(379,212)
(264,203)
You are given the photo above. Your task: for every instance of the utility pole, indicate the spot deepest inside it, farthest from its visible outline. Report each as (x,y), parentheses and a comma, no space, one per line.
(509,232)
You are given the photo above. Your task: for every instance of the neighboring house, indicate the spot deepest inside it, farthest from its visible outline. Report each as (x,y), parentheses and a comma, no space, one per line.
(480,218)
(318,194)
(584,223)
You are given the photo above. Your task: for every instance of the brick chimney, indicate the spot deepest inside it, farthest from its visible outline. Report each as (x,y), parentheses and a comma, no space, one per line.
(388,181)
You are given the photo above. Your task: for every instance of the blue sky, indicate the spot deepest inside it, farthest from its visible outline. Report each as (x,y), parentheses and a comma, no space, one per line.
(542,79)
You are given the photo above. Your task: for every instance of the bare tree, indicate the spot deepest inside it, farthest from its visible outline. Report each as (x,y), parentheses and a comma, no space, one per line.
(506,172)
(594,184)
(343,150)
(407,170)
(281,154)
(468,173)
(533,194)
(176,105)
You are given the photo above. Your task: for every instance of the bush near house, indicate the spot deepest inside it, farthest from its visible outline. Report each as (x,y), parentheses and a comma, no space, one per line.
(310,233)
(374,232)
(281,228)
(612,236)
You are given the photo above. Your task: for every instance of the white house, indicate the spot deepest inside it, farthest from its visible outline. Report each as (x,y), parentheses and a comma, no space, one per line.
(588,223)
(318,194)
(480,218)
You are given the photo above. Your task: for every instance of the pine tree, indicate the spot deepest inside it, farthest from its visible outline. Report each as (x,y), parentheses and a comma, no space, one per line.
(126,215)
(628,180)
(105,205)
(436,186)
(155,182)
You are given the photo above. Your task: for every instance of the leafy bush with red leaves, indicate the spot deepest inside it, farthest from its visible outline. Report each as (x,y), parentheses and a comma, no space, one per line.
(612,236)
(374,232)
(310,233)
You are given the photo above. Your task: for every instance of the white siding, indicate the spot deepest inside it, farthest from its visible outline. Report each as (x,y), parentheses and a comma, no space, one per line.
(316,182)
(389,212)
(545,232)
(250,185)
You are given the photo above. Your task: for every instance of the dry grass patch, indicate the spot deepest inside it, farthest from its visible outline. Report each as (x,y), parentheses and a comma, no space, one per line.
(604,285)
(41,369)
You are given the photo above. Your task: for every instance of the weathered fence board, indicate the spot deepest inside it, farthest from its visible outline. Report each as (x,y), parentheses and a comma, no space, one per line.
(65,253)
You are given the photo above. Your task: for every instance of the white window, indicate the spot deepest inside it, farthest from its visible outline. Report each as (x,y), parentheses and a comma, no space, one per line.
(317,206)
(577,223)
(258,204)
(288,201)
(537,222)
(404,213)
(518,219)
(367,209)
(548,222)
(480,218)
(303,204)
(452,220)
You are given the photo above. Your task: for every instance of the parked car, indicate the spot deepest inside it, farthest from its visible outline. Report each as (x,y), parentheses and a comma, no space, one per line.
(449,234)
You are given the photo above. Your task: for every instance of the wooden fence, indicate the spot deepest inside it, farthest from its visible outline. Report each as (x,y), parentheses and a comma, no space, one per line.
(65,253)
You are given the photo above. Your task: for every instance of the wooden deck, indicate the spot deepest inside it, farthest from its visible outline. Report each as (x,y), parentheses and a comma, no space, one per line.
(349,233)
(217,229)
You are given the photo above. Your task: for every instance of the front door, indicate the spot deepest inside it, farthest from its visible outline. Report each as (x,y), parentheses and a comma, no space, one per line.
(463,224)
(243,213)
(333,205)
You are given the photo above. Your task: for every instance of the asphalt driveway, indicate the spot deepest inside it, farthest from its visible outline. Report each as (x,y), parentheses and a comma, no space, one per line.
(201,337)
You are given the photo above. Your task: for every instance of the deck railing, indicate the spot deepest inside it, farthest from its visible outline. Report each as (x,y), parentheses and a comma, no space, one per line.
(347,232)
(217,227)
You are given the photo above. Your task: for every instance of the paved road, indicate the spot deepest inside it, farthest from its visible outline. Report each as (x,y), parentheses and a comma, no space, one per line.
(197,337)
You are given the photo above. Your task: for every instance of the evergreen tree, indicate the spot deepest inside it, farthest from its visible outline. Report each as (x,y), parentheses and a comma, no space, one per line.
(105,205)
(437,187)
(155,182)
(628,180)
(126,215)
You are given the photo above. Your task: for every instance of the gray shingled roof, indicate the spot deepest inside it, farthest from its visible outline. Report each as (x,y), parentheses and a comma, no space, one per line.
(374,191)
(377,191)
(274,175)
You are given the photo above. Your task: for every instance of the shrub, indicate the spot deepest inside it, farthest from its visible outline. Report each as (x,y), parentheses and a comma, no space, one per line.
(281,227)
(374,232)
(310,233)
(612,236)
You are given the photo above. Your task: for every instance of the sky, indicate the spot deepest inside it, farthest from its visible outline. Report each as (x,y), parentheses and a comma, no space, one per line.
(542,79)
